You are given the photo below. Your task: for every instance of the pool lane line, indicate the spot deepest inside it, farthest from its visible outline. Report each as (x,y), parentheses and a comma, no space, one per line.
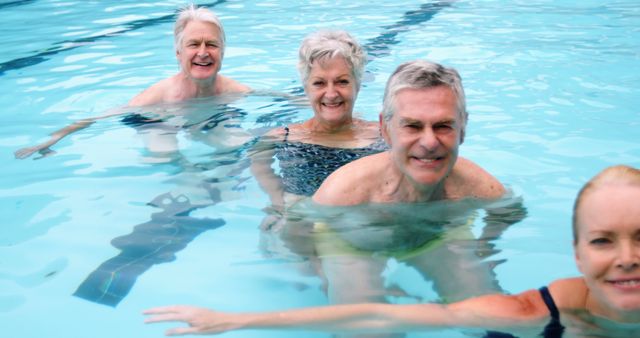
(63,46)
(380,46)
(15,4)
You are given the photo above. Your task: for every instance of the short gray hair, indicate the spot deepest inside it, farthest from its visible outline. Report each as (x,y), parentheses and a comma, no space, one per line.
(327,44)
(421,74)
(193,13)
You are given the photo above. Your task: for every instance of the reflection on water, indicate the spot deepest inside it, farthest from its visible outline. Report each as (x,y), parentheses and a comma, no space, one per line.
(199,183)
(154,242)
(439,239)
(449,245)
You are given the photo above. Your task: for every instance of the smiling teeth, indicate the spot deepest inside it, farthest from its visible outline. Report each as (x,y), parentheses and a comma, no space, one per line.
(634,282)
(426,160)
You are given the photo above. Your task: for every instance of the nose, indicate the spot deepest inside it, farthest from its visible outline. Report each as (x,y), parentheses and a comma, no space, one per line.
(202,49)
(331,92)
(428,139)
(629,255)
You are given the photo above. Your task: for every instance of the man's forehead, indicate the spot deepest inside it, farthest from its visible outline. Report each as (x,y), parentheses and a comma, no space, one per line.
(202,38)
(434,91)
(199,27)
(423,103)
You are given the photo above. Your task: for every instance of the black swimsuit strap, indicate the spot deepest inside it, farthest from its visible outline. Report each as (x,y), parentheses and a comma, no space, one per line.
(554,329)
(551,304)
(286,133)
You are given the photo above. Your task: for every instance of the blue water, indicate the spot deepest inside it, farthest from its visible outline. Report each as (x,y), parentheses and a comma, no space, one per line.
(552,94)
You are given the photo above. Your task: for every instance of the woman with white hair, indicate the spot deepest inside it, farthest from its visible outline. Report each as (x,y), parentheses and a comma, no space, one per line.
(331,64)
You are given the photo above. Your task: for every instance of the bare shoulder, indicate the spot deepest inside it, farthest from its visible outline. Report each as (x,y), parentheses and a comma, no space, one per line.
(569,293)
(369,129)
(230,85)
(369,125)
(352,183)
(152,95)
(496,311)
(275,134)
(470,180)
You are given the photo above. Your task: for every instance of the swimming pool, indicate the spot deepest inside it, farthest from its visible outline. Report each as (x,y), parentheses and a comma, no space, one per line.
(551,89)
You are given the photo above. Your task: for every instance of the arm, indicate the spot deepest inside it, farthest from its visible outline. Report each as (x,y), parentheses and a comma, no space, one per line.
(501,214)
(262,158)
(488,312)
(44,148)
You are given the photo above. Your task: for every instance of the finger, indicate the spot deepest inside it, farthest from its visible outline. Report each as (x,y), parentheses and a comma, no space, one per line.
(163,318)
(162,309)
(22,153)
(181,331)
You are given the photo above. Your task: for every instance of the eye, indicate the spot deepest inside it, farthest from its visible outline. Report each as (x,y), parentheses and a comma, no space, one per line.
(344,82)
(317,83)
(443,127)
(412,126)
(599,241)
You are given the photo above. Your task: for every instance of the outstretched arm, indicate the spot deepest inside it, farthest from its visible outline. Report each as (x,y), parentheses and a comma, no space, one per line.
(494,312)
(44,148)
(262,158)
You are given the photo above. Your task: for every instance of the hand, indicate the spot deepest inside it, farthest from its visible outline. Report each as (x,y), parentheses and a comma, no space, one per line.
(26,152)
(272,223)
(201,321)
(275,218)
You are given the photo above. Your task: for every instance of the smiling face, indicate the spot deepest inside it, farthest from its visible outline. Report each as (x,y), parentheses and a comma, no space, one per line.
(331,89)
(608,248)
(200,50)
(424,134)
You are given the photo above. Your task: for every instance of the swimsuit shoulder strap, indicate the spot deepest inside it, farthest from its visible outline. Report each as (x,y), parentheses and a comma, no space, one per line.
(554,329)
(551,304)
(286,133)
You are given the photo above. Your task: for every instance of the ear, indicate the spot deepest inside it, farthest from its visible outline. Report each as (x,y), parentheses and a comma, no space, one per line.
(576,255)
(383,129)
(462,135)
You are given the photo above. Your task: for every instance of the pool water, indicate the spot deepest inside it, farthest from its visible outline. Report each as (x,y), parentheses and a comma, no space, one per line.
(551,91)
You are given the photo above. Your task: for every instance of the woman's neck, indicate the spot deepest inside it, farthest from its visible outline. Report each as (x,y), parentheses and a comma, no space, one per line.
(317,126)
(607,313)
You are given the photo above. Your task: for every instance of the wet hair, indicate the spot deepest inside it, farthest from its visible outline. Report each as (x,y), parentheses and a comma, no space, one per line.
(193,13)
(324,45)
(422,74)
(615,175)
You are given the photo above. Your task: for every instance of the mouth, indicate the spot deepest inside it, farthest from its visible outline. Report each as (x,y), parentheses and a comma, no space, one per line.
(332,105)
(202,64)
(626,283)
(427,160)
